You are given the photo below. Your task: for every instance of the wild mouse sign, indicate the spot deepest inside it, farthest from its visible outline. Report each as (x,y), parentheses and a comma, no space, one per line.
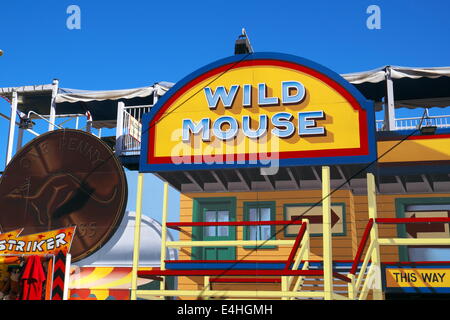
(254,110)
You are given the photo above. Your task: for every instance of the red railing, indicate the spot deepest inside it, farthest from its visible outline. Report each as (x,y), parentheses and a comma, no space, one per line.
(232,272)
(411,220)
(369,226)
(362,246)
(298,240)
(177,225)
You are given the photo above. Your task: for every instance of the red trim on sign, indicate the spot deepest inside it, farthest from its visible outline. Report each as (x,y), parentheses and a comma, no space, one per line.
(417,137)
(283,155)
(363,127)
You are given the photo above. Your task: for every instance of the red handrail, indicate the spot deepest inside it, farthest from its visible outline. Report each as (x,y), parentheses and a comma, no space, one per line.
(412,220)
(362,246)
(294,249)
(175,225)
(258,272)
(230,272)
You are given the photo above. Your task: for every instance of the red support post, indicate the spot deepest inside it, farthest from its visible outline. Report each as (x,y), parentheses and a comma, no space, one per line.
(361,247)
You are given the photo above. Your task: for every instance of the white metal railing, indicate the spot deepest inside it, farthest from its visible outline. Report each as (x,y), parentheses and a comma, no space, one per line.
(414,122)
(379,125)
(129,129)
(129,126)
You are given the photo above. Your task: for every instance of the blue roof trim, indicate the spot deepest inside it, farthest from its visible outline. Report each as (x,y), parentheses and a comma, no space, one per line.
(244,265)
(400,134)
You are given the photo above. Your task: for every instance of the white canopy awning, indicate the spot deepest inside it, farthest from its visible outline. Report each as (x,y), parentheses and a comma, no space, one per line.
(413,87)
(379,74)
(102,104)
(74,95)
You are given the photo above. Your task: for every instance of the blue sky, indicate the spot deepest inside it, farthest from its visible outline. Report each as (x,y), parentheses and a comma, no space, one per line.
(126,44)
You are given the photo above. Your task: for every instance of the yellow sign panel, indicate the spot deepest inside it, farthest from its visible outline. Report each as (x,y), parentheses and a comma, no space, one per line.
(421,277)
(420,148)
(245,112)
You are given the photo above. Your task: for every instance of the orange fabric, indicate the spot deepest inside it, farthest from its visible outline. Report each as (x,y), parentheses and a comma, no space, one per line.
(9,260)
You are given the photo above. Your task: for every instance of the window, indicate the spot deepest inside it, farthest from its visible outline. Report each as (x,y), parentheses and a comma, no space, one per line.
(216,216)
(259,211)
(214,209)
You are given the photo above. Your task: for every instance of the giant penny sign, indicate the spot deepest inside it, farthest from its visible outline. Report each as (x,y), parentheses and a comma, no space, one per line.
(64,178)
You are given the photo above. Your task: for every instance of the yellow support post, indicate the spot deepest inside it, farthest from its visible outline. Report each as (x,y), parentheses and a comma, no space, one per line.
(164,234)
(327,236)
(376,260)
(284,286)
(351,287)
(207,285)
(137,236)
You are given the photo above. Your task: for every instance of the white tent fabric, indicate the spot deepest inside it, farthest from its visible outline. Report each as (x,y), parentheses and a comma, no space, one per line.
(373,76)
(73,95)
(397,72)
(413,87)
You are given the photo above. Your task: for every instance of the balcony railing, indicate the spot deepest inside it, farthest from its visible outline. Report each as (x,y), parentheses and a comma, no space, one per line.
(129,129)
(414,122)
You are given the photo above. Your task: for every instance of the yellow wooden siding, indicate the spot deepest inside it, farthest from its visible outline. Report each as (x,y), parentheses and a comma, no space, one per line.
(344,247)
(386,209)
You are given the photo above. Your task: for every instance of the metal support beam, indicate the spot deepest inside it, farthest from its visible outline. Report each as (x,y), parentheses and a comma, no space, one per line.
(244,179)
(119,128)
(316,174)
(12,126)
(269,179)
(220,179)
(402,183)
(293,178)
(164,234)
(19,139)
(376,259)
(389,105)
(67,276)
(428,182)
(327,235)
(137,235)
(52,119)
(341,172)
(199,184)
(155,94)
